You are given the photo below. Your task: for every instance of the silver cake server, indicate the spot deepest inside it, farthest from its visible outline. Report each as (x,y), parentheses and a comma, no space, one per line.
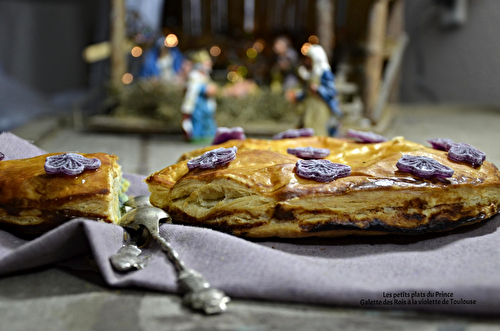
(198,292)
(128,256)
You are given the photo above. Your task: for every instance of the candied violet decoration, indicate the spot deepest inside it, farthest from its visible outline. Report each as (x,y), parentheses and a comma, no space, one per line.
(213,158)
(321,170)
(224,134)
(70,164)
(294,133)
(423,166)
(309,152)
(366,137)
(462,152)
(441,144)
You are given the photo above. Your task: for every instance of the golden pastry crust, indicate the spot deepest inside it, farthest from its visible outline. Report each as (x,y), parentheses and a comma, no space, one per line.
(259,194)
(33,201)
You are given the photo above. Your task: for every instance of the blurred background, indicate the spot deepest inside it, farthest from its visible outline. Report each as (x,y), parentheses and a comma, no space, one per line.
(90,62)
(111,76)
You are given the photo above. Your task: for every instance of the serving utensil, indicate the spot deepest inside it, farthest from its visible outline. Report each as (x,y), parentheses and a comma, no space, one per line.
(127,258)
(198,292)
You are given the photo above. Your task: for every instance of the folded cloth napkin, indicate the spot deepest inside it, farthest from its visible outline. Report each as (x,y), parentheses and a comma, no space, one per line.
(456,271)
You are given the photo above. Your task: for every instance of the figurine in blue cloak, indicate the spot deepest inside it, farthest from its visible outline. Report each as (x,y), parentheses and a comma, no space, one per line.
(199,105)
(321,109)
(162,63)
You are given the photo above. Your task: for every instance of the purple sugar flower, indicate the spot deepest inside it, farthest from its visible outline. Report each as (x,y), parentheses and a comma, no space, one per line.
(423,166)
(70,164)
(224,134)
(309,152)
(294,133)
(213,158)
(321,170)
(462,152)
(366,137)
(440,143)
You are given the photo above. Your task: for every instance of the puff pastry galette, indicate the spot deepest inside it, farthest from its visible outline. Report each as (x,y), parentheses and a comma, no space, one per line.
(264,191)
(36,195)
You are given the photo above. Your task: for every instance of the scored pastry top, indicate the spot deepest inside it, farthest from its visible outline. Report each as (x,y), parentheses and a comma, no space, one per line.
(26,181)
(266,166)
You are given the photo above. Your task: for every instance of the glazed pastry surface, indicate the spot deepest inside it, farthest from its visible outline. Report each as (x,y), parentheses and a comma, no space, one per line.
(33,201)
(259,193)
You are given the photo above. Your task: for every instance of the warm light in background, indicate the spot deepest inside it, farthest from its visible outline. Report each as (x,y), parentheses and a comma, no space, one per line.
(171,40)
(140,38)
(242,71)
(305,48)
(251,53)
(127,78)
(215,51)
(258,46)
(313,39)
(232,76)
(136,51)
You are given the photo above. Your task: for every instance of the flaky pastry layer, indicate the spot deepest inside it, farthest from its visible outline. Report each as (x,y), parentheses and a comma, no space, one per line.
(259,194)
(33,201)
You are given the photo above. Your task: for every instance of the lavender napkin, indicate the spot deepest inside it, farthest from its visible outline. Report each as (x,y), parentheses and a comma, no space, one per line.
(457,271)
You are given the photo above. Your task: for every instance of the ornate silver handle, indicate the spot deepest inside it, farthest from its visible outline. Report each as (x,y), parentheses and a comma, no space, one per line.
(198,292)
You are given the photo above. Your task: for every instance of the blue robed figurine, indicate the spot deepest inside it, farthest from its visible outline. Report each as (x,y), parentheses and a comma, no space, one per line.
(321,109)
(199,105)
(162,63)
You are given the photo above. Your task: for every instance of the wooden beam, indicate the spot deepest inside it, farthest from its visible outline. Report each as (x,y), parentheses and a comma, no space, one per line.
(97,52)
(395,21)
(325,25)
(390,78)
(377,27)
(395,29)
(102,51)
(118,58)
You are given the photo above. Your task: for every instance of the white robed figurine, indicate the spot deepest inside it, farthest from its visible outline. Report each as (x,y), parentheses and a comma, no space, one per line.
(199,105)
(321,107)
